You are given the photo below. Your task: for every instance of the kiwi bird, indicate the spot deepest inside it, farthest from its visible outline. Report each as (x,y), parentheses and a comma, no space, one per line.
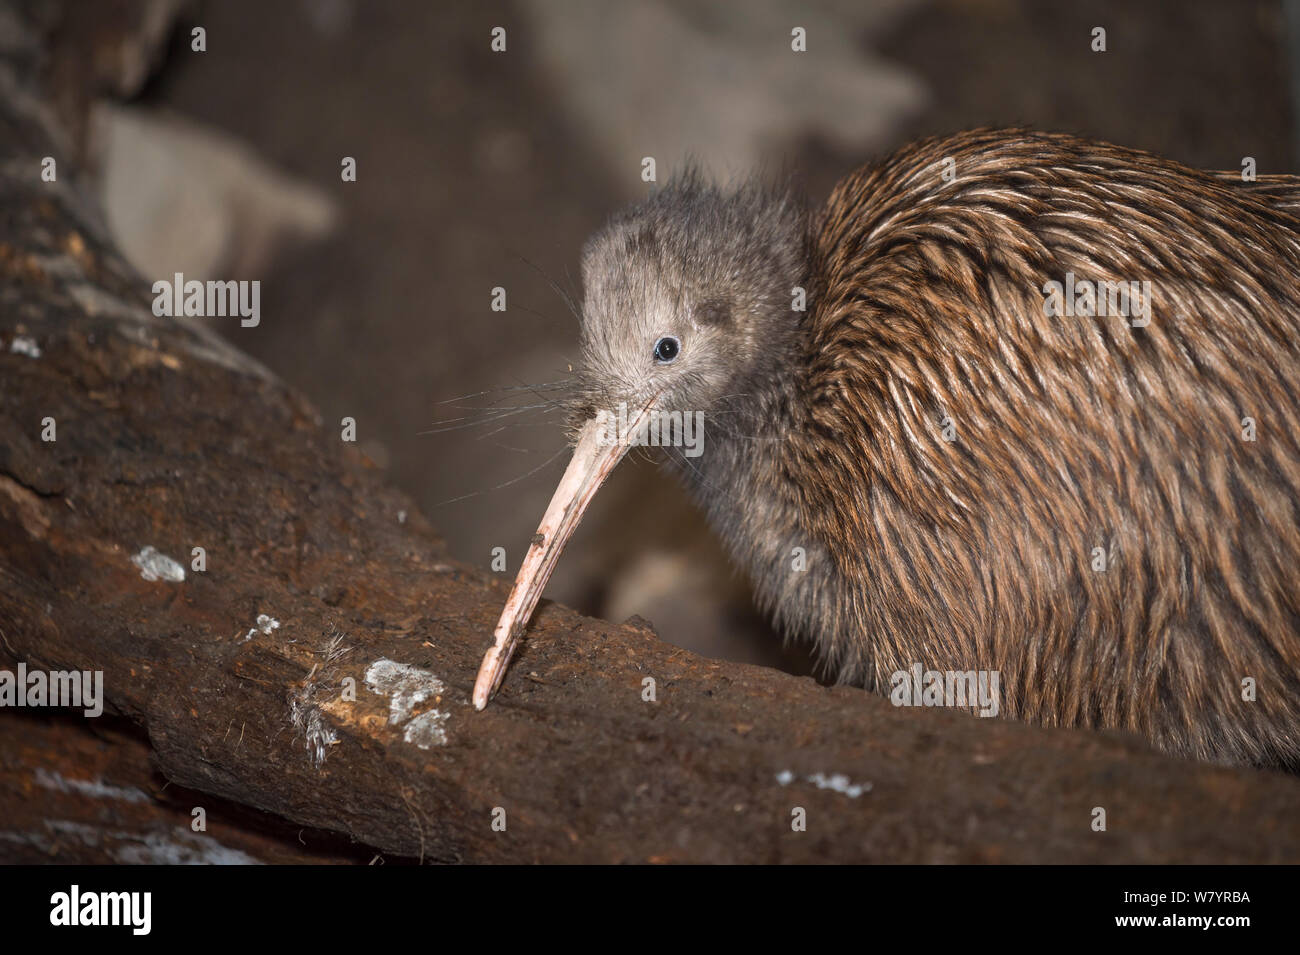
(927,444)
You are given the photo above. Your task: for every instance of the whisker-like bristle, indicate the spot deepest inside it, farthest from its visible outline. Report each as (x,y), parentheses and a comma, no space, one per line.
(465,497)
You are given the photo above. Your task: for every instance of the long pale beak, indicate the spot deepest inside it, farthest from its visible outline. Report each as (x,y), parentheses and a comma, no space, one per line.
(593,460)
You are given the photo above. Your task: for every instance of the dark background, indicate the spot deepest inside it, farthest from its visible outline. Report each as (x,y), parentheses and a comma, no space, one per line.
(479,169)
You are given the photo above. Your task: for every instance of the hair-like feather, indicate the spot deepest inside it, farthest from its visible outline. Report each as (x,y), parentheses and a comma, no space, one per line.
(925,278)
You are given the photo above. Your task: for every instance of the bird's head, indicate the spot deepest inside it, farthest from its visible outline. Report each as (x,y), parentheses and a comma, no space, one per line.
(688,299)
(689,306)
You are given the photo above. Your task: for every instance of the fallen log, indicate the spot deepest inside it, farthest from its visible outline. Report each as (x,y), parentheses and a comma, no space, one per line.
(292,636)
(86,791)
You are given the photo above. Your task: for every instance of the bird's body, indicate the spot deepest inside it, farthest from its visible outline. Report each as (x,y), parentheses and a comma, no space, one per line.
(932,465)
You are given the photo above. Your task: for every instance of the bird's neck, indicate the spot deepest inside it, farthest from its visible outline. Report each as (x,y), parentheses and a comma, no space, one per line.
(743,481)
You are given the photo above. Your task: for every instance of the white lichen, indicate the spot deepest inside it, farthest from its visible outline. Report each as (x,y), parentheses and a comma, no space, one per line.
(404,685)
(155,565)
(263,623)
(178,847)
(406,688)
(22,345)
(305,713)
(836,782)
(309,723)
(163,845)
(93,788)
(427,729)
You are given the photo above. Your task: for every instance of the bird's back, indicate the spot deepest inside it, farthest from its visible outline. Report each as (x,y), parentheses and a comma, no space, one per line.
(1103,508)
(1279,192)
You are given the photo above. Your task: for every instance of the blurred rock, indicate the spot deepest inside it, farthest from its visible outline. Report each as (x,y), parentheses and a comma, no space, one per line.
(181,197)
(631,74)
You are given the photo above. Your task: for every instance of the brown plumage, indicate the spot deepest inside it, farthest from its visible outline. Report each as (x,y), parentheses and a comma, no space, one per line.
(1074,438)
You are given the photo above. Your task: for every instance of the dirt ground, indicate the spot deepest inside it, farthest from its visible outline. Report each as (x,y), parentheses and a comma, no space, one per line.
(477,170)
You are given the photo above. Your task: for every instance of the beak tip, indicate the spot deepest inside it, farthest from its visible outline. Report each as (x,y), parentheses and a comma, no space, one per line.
(593,459)
(482,693)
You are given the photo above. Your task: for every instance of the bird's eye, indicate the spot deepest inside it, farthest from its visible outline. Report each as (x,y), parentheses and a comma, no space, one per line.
(667,349)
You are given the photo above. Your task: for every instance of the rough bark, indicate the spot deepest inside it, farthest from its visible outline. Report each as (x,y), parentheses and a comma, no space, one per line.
(168,437)
(88,793)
